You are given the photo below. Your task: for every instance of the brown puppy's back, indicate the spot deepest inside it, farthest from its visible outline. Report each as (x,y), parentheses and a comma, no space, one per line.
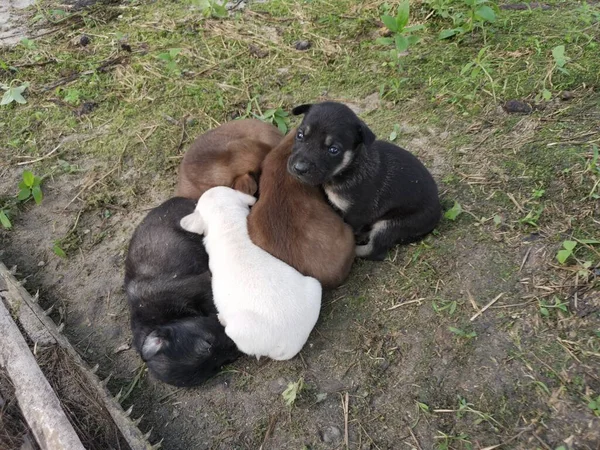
(229,155)
(293,222)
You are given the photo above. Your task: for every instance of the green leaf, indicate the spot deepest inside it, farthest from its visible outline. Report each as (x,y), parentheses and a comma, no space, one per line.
(563,255)
(37,194)
(423,406)
(58,251)
(14,94)
(24,194)
(390,23)
(28,178)
(393,135)
(292,391)
(453,212)
(486,13)
(401,43)
(558,53)
(4,220)
(413,28)
(445,34)
(452,308)
(281,124)
(219,11)
(589,241)
(569,245)
(384,41)
(403,15)
(165,57)
(546,94)
(544,311)
(457,331)
(497,220)
(174,52)
(37,181)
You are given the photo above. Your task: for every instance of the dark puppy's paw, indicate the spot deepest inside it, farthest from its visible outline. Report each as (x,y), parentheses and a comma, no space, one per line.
(301,109)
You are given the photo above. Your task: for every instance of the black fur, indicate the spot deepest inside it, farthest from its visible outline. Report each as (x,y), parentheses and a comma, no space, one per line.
(384,192)
(173,317)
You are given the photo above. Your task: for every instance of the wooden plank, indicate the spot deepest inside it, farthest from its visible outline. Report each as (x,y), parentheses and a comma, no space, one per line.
(23,304)
(38,402)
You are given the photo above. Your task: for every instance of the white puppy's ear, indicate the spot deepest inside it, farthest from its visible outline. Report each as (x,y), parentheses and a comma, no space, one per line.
(193,223)
(246,199)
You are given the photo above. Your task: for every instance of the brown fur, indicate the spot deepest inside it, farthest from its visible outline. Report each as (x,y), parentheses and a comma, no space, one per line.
(293,222)
(229,155)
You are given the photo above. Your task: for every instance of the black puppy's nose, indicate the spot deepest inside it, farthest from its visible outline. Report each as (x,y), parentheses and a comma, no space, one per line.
(301,167)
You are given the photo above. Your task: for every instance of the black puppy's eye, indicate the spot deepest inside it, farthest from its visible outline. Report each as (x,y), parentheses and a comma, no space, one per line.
(300,135)
(333,150)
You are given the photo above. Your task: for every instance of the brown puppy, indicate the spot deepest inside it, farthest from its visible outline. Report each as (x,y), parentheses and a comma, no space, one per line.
(229,155)
(293,222)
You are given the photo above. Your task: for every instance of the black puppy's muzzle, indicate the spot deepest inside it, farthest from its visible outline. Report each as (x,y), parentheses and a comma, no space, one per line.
(301,168)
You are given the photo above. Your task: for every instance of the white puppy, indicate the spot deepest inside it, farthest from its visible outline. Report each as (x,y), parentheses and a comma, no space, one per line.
(267,307)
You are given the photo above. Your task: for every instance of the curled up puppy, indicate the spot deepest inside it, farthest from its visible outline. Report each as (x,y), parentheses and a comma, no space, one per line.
(167,282)
(383,191)
(293,222)
(267,307)
(229,155)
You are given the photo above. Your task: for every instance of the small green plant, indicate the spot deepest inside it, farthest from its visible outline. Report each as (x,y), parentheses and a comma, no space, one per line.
(170,59)
(28,44)
(568,249)
(479,13)
(57,249)
(453,212)
(211,8)
(423,407)
(594,405)
(480,66)
(560,60)
(402,35)
(395,132)
(546,308)
(462,333)
(4,220)
(30,188)
(72,96)
(444,305)
(277,117)
(445,441)
(290,395)
(13,93)
(532,217)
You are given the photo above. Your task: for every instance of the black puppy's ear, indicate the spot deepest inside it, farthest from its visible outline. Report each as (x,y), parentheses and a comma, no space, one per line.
(152,345)
(365,133)
(202,347)
(302,109)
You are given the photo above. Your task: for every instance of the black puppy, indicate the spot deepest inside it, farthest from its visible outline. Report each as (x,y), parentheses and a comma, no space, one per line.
(384,192)
(173,317)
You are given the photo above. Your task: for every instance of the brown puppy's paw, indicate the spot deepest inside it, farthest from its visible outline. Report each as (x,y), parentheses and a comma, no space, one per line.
(246,184)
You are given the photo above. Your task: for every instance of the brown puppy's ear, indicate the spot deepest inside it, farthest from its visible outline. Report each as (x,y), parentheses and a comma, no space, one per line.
(366,135)
(302,109)
(246,184)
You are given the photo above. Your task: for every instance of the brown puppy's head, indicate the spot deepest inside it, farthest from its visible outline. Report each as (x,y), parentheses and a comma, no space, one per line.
(327,141)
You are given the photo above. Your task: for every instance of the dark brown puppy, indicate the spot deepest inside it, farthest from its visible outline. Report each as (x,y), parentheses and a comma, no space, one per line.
(293,222)
(229,155)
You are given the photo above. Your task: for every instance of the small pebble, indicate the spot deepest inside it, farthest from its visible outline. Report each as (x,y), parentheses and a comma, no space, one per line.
(517,106)
(302,45)
(84,40)
(331,435)
(567,95)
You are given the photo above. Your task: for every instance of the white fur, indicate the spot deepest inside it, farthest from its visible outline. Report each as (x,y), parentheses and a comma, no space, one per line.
(365,250)
(341,203)
(347,159)
(267,307)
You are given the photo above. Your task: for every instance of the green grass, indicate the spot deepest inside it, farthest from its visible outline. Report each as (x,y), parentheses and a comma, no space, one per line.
(148,107)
